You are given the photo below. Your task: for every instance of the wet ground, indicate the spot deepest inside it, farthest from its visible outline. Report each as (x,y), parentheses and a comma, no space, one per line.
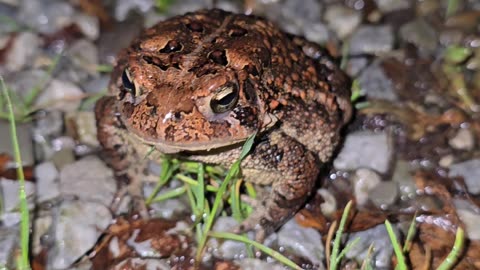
(411,152)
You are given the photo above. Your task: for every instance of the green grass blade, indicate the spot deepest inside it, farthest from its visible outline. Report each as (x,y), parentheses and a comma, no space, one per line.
(334,258)
(168,167)
(452,257)
(270,252)
(347,248)
(234,169)
(24,222)
(396,247)
(170,194)
(412,230)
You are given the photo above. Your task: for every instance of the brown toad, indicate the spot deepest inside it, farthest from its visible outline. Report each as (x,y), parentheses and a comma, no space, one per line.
(200,84)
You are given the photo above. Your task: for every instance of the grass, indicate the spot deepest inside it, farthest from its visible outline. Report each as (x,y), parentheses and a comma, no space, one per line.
(23,260)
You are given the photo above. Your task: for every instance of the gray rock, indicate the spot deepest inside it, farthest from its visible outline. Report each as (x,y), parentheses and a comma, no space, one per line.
(329,206)
(226,249)
(255,264)
(372,40)
(47,182)
(317,32)
(89,25)
(123,7)
(382,247)
(88,179)
(9,194)
(420,33)
(463,140)
(392,5)
(46,16)
(384,194)
(60,95)
(23,49)
(24,136)
(42,232)
(9,244)
(471,220)
(77,228)
(356,65)
(342,20)
(47,125)
(470,170)
(304,242)
(363,181)
(375,84)
(404,179)
(83,55)
(85,126)
(358,145)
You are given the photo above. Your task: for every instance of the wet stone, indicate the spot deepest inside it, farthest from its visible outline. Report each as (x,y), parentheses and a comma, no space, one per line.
(419,33)
(89,25)
(356,65)
(372,40)
(227,249)
(256,264)
(301,241)
(329,206)
(363,181)
(22,52)
(47,182)
(384,194)
(141,263)
(78,226)
(470,170)
(375,84)
(124,7)
(9,241)
(342,20)
(24,136)
(471,220)
(46,16)
(84,126)
(83,55)
(60,95)
(392,5)
(88,179)
(358,145)
(404,179)
(317,32)
(463,140)
(378,237)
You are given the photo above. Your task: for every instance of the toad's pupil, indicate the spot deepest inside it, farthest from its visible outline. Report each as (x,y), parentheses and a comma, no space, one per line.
(127,83)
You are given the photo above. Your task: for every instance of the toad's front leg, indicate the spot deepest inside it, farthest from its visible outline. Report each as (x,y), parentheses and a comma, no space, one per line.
(292,170)
(121,154)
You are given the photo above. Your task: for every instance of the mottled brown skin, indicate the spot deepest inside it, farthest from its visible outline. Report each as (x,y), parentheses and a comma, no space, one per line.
(200,84)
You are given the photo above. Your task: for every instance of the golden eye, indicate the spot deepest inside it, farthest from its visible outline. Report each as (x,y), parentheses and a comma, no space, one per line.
(127,82)
(225,99)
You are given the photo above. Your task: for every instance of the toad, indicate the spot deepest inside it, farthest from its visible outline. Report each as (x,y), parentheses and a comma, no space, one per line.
(198,85)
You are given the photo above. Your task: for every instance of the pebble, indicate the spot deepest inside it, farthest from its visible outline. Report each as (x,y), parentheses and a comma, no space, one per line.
(47,182)
(363,181)
(124,7)
(88,179)
(60,95)
(226,249)
(419,33)
(371,40)
(89,25)
(358,145)
(83,55)
(85,127)
(384,194)
(9,241)
(302,241)
(404,179)
(378,237)
(255,264)
(375,84)
(142,263)
(24,137)
(78,226)
(24,48)
(463,140)
(470,170)
(471,220)
(387,6)
(342,20)
(329,206)
(46,16)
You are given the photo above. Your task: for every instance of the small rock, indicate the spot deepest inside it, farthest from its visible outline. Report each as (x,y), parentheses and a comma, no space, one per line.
(364,180)
(142,263)
(83,55)
(358,145)
(46,16)
(471,221)
(88,179)
(10,190)
(470,170)
(89,25)
(123,7)
(227,249)
(255,264)
(420,33)
(24,136)
(78,226)
(342,20)
(317,32)
(24,48)
(304,242)
(372,40)
(384,194)
(404,179)
(9,241)
(378,237)
(356,65)
(375,84)
(329,206)
(48,124)
(63,157)
(446,161)
(387,6)
(47,182)
(463,140)
(85,127)
(60,95)
(41,233)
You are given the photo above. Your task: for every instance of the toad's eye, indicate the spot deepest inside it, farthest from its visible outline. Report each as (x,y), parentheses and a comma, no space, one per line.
(225,98)
(127,82)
